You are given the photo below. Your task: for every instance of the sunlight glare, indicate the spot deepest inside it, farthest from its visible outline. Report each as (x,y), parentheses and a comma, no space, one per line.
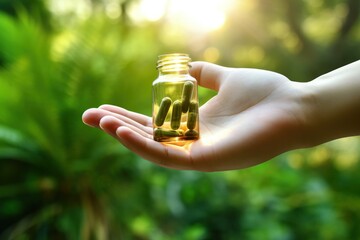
(198,15)
(152,10)
(192,15)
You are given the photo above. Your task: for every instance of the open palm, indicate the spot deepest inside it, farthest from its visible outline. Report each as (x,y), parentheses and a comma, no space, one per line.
(255,116)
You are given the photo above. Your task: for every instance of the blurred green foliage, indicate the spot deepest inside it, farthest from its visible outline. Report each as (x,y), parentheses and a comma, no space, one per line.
(60,179)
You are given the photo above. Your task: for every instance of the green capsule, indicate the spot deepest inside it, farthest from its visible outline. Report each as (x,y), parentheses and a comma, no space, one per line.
(191,120)
(163,110)
(186,95)
(194,107)
(163,134)
(176,115)
(192,115)
(191,134)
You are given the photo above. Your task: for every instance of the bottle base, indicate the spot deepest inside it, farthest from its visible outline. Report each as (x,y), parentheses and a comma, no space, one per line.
(177,137)
(176,141)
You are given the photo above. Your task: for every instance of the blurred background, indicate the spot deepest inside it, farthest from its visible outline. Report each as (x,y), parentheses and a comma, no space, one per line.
(60,179)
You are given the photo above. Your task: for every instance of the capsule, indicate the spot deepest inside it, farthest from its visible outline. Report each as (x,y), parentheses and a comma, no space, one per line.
(186,95)
(163,110)
(191,120)
(194,107)
(176,115)
(192,115)
(160,133)
(191,134)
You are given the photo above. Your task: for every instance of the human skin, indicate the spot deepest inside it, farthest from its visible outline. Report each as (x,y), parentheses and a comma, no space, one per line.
(255,116)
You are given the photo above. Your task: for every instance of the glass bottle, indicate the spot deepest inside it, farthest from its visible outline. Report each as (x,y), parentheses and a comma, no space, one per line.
(175,101)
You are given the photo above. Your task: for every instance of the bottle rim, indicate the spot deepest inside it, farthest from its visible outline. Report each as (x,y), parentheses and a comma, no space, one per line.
(173,60)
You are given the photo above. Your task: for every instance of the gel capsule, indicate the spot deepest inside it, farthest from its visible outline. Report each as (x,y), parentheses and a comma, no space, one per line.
(186,95)
(176,115)
(162,134)
(163,110)
(192,115)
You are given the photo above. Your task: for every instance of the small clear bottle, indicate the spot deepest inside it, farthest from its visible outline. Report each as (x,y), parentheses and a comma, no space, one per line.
(175,101)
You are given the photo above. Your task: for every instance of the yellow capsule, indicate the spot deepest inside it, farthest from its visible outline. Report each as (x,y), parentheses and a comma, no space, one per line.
(163,110)
(176,115)
(186,95)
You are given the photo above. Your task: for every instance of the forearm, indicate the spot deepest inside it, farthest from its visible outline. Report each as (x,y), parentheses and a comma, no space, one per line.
(335,105)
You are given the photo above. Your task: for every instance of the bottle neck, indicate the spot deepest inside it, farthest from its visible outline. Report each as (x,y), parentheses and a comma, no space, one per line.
(176,63)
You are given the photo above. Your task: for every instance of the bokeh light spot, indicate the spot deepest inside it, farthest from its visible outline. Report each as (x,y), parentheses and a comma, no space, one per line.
(211,54)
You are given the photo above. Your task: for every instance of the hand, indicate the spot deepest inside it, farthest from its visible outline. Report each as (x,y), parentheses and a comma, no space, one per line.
(255,116)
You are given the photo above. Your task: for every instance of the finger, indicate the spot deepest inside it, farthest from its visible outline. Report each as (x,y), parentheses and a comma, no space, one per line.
(169,156)
(208,75)
(92,117)
(130,122)
(140,118)
(110,124)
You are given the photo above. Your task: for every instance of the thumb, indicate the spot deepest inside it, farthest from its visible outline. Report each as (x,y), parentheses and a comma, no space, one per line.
(207,74)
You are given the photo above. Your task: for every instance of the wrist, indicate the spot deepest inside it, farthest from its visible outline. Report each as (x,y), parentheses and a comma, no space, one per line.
(333,106)
(316,126)
(305,111)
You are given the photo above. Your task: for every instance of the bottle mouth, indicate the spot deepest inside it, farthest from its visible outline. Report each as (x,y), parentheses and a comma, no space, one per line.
(173,62)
